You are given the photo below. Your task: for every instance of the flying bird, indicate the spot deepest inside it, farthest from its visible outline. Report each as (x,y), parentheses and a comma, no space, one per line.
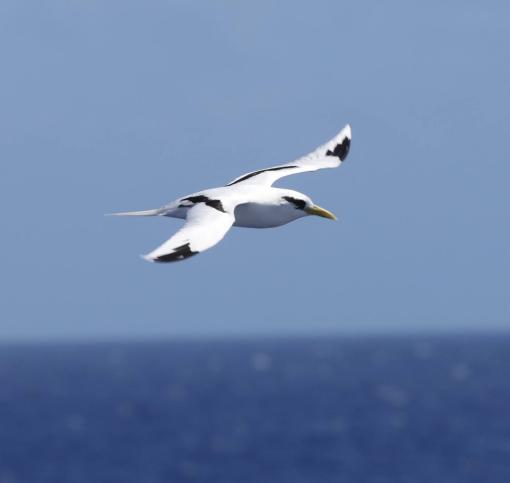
(247,201)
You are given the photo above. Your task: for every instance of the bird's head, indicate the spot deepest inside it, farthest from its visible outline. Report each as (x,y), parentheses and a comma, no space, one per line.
(306,205)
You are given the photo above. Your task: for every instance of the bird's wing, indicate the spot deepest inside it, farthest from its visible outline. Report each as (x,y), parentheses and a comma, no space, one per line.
(205,226)
(329,155)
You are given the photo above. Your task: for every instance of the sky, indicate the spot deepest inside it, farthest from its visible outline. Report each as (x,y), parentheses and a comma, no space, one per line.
(125,105)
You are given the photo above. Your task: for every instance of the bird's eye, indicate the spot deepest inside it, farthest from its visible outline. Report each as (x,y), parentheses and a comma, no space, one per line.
(298,204)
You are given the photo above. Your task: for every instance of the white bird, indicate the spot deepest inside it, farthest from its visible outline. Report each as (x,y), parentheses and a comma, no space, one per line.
(247,201)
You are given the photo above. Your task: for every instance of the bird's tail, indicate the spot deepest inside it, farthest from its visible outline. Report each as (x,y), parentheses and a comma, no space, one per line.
(154,212)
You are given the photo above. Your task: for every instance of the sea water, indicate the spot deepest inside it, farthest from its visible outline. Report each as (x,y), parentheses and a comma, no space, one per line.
(358,410)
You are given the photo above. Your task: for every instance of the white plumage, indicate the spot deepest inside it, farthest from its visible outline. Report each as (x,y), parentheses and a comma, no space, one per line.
(247,201)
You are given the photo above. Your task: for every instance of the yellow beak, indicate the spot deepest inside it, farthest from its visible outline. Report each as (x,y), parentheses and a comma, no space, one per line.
(317,210)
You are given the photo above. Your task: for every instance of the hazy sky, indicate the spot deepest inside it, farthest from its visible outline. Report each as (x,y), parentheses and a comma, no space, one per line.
(121,105)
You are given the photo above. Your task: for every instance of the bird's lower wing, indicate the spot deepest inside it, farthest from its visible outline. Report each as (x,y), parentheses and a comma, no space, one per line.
(329,155)
(205,226)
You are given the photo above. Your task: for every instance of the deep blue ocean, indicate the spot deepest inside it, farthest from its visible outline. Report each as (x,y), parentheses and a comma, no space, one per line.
(359,410)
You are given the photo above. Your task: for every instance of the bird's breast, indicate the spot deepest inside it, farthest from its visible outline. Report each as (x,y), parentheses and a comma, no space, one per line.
(255,215)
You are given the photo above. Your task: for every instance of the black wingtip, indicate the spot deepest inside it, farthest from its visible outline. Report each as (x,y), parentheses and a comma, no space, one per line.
(341,150)
(180,253)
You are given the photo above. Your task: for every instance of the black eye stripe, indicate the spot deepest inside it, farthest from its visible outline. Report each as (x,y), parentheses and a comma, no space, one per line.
(298,204)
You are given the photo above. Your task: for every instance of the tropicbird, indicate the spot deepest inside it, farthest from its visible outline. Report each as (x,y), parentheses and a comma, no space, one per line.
(247,201)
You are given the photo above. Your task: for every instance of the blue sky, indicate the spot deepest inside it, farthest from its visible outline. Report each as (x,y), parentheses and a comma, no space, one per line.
(125,105)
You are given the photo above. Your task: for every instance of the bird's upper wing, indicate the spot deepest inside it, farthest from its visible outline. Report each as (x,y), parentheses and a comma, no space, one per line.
(329,155)
(204,227)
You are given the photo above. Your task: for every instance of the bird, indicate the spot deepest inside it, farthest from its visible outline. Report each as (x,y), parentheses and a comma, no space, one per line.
(249,200)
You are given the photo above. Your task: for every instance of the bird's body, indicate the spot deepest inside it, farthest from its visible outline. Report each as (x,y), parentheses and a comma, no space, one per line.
(248,201)
(254,206)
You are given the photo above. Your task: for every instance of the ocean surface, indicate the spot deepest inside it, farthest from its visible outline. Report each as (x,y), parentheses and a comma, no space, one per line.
(358,410)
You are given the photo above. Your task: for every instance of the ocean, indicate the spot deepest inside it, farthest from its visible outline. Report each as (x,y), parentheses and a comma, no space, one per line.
(409,409)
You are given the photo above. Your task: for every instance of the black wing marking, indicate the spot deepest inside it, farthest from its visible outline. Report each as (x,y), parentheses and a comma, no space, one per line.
(341,150)
(216,204)
(255,173)
(179,253)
